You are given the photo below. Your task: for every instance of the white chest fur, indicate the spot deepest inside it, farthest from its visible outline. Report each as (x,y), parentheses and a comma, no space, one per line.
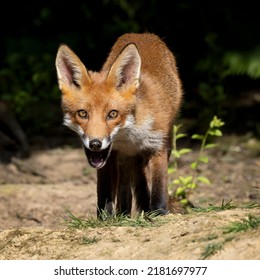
(133,138)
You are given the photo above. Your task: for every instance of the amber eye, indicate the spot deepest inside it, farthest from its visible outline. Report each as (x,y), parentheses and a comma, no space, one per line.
(82,114)
(112,114)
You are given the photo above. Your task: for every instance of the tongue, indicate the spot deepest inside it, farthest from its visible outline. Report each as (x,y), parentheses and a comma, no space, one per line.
(96,159)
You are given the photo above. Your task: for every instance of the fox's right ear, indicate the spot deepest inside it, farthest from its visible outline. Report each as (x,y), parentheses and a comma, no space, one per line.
(70,70)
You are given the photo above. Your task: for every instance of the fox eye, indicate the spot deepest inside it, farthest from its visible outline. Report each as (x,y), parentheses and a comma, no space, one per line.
(112,114)
(82,114)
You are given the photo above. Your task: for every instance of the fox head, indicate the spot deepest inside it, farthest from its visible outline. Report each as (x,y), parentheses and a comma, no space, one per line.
(97,105)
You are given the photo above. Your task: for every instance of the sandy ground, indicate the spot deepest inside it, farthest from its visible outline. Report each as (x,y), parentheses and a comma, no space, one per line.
(34,191)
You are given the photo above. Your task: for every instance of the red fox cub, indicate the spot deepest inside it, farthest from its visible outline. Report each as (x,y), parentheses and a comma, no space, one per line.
(124,115)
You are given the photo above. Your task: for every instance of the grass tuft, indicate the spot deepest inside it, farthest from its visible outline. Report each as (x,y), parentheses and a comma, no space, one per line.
(210,250)
(252,222)
(89,241)
(213,248)
(143,220)
(251,205)
(224,206)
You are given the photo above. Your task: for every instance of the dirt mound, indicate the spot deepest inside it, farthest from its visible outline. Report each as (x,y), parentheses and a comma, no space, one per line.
(193,236)
(33,192)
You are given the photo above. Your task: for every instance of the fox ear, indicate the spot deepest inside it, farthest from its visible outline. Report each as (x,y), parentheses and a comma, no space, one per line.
(70,69)
(126,68)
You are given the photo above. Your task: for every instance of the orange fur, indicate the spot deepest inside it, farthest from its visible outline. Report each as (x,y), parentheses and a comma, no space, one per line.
(124,115)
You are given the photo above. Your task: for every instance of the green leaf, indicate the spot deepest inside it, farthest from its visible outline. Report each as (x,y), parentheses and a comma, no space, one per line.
(193,185)
(185,180)
(216,122)
(215,132)
(213,122)
(171,170)
(180,135)
(184,151)
(209,146)
(180,191)
(203,179)
(176,128)
(176,182)
(184,201)
(176,154)
(197,136)
(194,165)
(204,159)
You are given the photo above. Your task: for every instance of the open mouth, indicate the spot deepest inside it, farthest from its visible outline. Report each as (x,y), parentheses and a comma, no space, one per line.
(97,159)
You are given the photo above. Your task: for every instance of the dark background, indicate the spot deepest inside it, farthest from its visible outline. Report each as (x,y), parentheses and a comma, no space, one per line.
(216,44)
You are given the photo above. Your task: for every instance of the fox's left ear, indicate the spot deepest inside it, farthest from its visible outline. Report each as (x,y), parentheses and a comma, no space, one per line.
(126,68)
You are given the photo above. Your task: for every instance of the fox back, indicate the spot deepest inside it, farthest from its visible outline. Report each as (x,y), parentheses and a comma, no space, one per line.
(124,115)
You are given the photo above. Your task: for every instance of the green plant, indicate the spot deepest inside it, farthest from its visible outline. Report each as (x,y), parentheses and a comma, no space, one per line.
(224,206)
(252,222)
(143,220)
(184,184)
(89,241)
(210,250)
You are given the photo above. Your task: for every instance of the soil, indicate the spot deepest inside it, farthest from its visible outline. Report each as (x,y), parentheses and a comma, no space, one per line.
(34,191)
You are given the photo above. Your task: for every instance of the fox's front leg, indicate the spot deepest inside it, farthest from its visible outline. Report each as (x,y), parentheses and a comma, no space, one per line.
(107,181)
(157,178)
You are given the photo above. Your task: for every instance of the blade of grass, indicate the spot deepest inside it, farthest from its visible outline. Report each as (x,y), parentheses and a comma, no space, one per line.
(143,220)
(252,222)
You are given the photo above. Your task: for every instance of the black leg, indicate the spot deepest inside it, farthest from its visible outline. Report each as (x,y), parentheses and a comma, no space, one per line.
(157,176)
(107,181)
(124,195)
(141,188)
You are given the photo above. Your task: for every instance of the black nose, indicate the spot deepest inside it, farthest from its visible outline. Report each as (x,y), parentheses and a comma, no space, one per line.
(95,144)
